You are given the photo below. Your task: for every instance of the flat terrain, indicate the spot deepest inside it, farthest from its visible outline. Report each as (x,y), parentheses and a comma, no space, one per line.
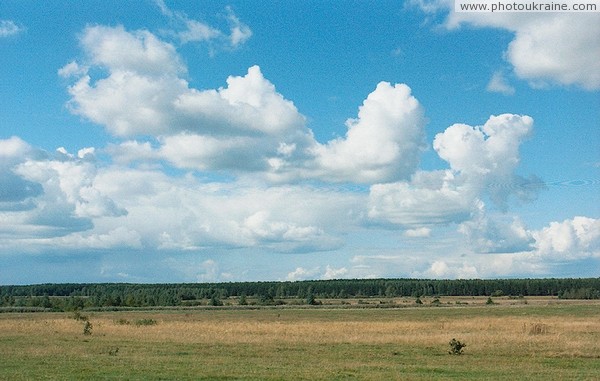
(529,339)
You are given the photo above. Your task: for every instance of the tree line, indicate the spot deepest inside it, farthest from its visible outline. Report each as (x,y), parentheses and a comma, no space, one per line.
(73,296)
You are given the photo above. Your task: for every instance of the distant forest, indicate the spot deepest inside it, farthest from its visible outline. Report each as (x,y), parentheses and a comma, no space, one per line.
(71,296)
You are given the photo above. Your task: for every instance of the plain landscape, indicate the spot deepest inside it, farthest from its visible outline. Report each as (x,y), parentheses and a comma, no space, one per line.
(299,190)
(372,338)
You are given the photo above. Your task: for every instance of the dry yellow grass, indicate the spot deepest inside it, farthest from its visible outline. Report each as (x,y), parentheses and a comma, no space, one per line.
(488,334)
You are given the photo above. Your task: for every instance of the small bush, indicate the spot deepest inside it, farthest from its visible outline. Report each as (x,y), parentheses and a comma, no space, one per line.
(122,322)
(87,328)
(490,301)
(79,317)
(418,301)
(145,322)
(456,347)
(215,301)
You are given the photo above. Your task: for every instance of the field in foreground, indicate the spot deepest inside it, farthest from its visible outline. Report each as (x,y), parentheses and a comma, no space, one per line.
(547,340)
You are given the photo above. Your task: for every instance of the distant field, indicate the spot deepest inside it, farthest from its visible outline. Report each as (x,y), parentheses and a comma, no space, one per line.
(517,339)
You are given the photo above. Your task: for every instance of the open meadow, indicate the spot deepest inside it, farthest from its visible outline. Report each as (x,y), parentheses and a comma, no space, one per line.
(540,339)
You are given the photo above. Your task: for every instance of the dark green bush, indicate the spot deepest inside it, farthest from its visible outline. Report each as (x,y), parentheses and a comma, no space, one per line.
(456,347)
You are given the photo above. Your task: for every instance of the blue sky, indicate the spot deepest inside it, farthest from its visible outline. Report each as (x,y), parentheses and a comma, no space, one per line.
(242,140)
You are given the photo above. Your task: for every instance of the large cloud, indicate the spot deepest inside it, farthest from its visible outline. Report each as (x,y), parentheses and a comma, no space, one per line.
(497,235)
(548,48)
(510,250)
(487,156)
(16,192)
(80,203)
(430,198)
(185,214)
(143,93)
(482,162)
(570,239)
(489,150)
(246,126)
(383,144)
(49,195)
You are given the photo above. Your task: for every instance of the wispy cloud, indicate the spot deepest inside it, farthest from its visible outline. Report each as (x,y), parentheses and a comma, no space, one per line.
(499,84)
(10,28)
(188,30)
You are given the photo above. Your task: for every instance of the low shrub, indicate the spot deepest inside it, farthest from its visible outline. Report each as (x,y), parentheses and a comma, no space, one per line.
(140,322)
(87,328)
(79,317)
(456,347)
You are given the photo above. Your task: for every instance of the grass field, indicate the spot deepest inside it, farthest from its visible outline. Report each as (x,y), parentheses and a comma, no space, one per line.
(545,339)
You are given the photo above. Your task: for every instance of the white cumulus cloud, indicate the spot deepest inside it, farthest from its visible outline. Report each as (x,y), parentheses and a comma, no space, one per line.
(570,239)
(497,235)
(246,126)
(547,48)
(383,143)
(482,162)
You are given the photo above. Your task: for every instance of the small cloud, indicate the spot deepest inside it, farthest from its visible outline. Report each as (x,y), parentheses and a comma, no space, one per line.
(208,271)
(72,69)
(417,233)
(498,84)
(197,31)
(302,274)
(333,273)
(9,28)
(189,30)
(240,32)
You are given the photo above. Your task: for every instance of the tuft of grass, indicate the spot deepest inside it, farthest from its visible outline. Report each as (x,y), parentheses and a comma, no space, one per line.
(141,322)
(535,328)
